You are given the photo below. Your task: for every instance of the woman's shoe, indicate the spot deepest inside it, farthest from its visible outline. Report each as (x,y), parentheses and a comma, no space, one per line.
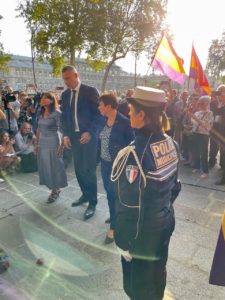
(54,195)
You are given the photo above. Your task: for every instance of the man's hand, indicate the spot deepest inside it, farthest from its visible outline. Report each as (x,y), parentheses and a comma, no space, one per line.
(34,140)
(9,106)
(66,142)
(12,141)
(85,138)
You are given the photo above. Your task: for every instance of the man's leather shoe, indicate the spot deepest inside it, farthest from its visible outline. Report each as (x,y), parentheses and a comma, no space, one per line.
(90,211)
(80,201)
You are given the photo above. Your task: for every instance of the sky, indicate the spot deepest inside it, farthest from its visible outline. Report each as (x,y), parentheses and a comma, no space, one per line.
(190,21)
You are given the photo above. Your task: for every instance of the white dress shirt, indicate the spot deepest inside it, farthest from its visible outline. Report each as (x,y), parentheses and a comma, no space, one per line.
(77,89)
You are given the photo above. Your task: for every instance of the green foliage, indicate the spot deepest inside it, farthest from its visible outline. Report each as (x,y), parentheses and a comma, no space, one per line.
(216,58)
(105,30)
(57,63)
(59,28)
(4,58)
(123,26)
(96,64)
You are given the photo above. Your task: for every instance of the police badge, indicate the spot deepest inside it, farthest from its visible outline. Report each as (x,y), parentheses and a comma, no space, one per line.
(131,173)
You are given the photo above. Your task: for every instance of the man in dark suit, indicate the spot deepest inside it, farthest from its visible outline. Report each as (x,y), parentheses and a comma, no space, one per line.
(81,121)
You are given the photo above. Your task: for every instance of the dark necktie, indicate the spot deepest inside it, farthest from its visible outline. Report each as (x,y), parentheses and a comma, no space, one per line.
(72,106)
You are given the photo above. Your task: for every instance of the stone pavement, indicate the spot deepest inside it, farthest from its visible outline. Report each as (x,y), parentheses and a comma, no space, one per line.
(76,263)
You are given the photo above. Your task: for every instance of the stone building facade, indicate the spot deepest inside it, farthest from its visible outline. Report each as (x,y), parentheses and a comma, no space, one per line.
(20,76)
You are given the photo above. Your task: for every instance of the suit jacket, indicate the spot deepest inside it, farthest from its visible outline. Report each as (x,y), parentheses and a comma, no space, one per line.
(88,115)
(121,135)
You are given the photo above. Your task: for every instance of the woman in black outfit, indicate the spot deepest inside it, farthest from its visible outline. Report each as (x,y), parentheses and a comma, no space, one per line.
(145,174)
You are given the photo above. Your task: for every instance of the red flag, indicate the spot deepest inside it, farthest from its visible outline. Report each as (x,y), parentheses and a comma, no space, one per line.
(197,73)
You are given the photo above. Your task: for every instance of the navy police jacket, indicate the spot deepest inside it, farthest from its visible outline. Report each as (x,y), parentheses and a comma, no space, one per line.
(145,173)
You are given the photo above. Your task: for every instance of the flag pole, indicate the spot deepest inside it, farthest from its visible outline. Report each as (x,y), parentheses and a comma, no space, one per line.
(157,47)
(190,67)
(152,58)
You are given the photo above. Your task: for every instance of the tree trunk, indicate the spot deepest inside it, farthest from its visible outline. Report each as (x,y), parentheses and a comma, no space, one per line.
(72,57)
(135,71)
(106,74)
(33,60)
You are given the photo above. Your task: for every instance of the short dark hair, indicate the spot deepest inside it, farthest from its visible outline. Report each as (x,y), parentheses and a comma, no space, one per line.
(69,68)
(109,99)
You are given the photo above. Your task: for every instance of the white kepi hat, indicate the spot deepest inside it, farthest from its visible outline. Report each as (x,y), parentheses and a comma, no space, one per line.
(148,96)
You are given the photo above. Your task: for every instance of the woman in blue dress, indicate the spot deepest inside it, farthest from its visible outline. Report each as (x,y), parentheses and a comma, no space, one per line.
(50,162)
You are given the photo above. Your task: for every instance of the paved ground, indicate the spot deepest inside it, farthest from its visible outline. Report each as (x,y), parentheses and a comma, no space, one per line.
(76,263)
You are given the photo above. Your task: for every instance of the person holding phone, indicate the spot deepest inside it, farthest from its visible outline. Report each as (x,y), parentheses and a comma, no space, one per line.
(49,147)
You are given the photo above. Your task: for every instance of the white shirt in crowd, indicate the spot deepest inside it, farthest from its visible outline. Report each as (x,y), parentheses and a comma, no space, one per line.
(207,118)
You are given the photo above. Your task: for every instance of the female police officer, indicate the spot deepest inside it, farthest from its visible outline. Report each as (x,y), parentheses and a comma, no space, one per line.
(145,173)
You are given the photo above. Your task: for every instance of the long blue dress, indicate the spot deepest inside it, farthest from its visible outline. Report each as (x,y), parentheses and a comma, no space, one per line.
(50,167)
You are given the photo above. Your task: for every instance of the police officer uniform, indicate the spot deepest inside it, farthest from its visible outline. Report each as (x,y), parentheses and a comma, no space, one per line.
(145,174)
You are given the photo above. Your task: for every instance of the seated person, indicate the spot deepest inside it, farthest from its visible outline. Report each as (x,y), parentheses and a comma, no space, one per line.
(8,158)
(25,145)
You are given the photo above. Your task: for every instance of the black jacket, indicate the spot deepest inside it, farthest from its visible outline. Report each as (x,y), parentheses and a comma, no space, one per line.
(121,135)
(144,202)
(88,115)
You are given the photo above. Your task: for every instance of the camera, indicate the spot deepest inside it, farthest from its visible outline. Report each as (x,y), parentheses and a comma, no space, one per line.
(30,135)
(37,98)
(7,98)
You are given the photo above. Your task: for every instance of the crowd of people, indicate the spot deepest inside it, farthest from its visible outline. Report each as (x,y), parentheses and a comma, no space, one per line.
(197,124)
(138,141)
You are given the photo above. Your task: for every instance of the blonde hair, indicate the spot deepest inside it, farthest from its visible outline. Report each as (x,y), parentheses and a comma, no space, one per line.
(165,122)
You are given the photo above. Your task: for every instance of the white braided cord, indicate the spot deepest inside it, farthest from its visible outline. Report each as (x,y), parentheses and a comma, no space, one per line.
(121,160)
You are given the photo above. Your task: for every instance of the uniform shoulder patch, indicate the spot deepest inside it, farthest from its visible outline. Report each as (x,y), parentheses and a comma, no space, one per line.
(166,159)
(164,152)
(131,173)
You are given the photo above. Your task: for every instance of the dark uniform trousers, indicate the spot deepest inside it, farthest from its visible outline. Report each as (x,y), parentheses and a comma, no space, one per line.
(85,159)
(146,279)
